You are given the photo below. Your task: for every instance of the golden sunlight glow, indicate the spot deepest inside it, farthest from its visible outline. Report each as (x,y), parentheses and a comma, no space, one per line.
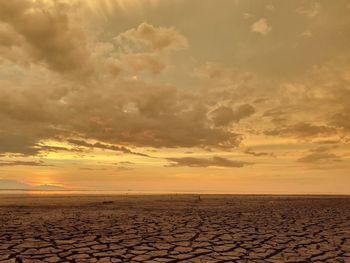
(109,7)
(174,94)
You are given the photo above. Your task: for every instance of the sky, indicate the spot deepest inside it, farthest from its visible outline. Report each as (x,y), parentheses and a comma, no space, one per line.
(225,96)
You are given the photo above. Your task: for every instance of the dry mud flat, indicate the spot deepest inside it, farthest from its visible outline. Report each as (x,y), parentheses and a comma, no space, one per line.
(174,229)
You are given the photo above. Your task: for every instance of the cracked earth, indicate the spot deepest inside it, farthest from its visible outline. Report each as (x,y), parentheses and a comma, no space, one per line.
(174,229)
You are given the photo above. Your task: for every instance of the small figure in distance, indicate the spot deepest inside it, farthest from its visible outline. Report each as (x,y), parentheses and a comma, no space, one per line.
(198,199)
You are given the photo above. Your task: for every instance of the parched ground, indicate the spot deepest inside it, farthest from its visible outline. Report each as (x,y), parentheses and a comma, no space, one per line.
(174,229)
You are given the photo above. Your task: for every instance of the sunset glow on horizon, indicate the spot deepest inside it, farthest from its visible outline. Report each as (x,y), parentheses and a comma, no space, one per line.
(175,96)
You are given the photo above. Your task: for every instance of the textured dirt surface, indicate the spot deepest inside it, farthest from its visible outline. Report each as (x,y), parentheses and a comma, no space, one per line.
(174,229)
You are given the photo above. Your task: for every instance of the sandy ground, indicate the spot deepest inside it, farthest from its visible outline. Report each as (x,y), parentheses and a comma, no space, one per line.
(178,228)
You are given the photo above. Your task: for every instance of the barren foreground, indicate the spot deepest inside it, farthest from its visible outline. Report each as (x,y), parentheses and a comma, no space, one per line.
(174,229)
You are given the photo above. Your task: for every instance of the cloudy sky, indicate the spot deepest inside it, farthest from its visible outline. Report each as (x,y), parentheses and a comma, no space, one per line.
(156,95)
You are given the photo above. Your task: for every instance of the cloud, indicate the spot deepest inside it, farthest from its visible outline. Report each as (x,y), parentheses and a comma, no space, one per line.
(319,157)
(158,38)
(225,115)
(323,148)
(258,154)
(145,62)
(9,184)
(320,154)
(27,145)
(49,148)
(49,187)
(306,34)
(277,114)
(23,163)
(211,70)
(124,168)
(104,146)
(12,184)
(261,26)
(47,33)
(123,113)
(8,37)
(270,7)
(15,143)
(222,76)
(148,115)
(302,130)
(336,141)
(108,107)
(146,47)
(215,161)
(342,118)
(311,11)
